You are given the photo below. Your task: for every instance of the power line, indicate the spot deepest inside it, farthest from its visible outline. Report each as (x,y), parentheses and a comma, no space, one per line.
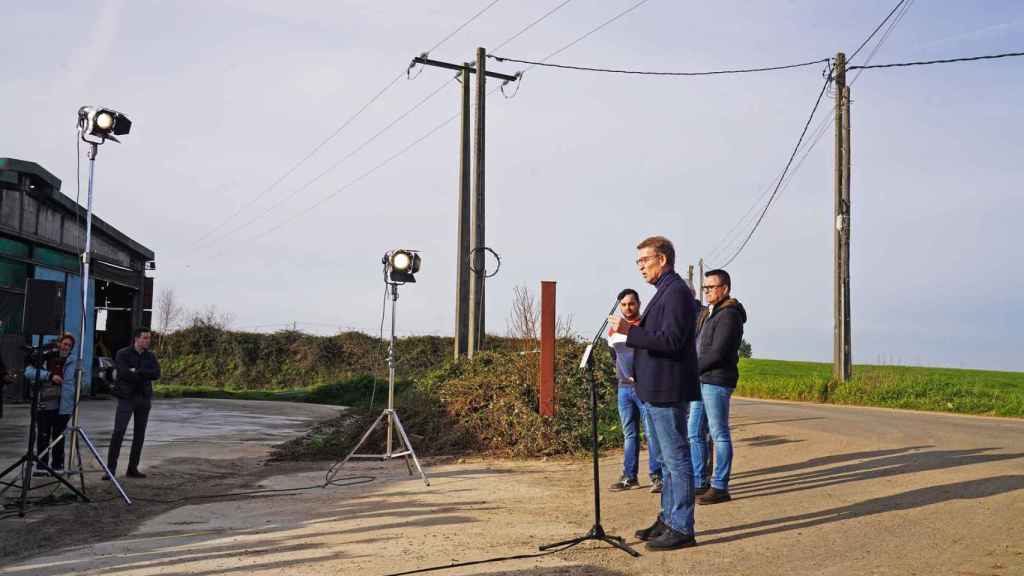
(875,31)
(658,73)
(463,25)
(792,156)
(335,133)
(531,25)
(947,61)
(339,162)
(599,27)
(784,180)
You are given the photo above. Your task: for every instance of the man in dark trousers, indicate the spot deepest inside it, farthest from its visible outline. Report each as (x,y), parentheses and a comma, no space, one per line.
(719,332)
(665,369)
(137,367)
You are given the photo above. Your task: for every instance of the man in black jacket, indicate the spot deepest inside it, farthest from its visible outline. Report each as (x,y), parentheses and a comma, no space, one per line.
(719,332)
(137,367)
(665,370)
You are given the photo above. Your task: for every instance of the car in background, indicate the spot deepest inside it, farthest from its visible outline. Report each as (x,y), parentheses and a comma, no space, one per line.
(103,374)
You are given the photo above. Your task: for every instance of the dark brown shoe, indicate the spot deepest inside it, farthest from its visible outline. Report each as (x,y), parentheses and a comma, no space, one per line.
(714,496)
(133,473)
(701,491)
(671,540)
(652,531)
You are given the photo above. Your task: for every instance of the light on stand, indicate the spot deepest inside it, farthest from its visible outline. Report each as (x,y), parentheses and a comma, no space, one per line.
(399,267)
(102,123)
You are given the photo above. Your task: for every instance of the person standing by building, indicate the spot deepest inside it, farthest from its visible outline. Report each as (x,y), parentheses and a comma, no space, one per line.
(719,333)
(632,411)
(665,369)
(137,367)
(56,400)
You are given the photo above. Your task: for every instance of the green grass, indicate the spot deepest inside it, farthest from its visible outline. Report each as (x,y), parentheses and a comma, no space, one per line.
(919,388)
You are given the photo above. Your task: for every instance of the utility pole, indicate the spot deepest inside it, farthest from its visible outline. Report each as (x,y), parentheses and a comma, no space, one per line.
(841,348)
(477,326)
(469,275)
(700,291)
(689,274)
(462,261)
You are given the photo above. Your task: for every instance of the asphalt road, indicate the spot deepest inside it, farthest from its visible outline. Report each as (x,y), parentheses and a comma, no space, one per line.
(817,490)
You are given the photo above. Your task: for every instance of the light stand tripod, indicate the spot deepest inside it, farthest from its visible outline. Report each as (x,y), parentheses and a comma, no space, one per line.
(389,413)
(76,429)
(30,460)
(597,531)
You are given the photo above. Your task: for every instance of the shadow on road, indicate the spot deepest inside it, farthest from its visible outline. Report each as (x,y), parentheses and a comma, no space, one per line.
(860,466)
(972,489)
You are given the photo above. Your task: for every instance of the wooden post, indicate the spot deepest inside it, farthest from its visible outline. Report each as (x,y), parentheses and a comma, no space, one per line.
(477,326)
(547,349)
(841,229)
(462,274)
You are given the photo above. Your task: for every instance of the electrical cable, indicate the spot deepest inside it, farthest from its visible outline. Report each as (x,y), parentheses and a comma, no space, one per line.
(337,482)
(530,25)
(820,131)
(335,133)
(792,156)
(463,25)
(300,163)
(599,27)
(485,561)
(658,73)
(875,31)
(946,61)
(270,209)
(354,181)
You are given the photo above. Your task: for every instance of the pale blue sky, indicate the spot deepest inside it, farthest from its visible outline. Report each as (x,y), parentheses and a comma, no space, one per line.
(226,96)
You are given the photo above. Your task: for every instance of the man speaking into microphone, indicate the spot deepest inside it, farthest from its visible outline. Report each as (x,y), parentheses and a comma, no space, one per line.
(665,370)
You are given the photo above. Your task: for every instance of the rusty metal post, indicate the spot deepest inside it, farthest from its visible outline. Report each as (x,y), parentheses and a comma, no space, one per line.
(547,348)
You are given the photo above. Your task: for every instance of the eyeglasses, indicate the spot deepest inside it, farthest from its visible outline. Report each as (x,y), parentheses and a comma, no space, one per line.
(709,288)
(644,259)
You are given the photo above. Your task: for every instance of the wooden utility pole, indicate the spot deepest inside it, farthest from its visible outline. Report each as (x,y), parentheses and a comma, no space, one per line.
(469,325)
(462,275)
(700,290)
(841,349)
(477,326)
(689,274)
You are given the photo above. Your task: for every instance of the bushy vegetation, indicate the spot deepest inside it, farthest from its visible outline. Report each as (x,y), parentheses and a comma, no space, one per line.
(489,404)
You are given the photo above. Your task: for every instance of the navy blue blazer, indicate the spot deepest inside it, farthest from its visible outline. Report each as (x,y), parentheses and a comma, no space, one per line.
(665,362)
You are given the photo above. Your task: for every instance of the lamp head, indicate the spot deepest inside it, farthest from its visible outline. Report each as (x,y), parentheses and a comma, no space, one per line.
(402,265)
(102,123)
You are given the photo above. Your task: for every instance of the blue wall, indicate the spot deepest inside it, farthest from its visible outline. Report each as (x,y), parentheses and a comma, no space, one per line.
(73,315)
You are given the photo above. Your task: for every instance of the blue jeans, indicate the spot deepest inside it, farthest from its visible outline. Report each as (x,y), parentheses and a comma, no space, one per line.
(632,410)
(669,424)
(715,405)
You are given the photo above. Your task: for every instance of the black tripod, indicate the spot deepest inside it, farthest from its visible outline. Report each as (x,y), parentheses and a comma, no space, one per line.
(30,461)
(597,531)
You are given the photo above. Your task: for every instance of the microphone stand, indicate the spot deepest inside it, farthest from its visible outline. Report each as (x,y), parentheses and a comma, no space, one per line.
(597,531)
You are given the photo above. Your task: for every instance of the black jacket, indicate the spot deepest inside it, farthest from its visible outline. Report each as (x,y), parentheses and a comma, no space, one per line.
(665,362)
(718,339)
(135,373)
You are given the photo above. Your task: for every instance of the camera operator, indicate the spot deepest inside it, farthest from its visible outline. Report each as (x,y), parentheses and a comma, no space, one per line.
(56,397)
(137,367)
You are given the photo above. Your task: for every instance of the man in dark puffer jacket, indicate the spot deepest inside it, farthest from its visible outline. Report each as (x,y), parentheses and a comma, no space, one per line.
(719,333)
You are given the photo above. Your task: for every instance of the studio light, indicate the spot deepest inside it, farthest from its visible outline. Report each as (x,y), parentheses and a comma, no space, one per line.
(402,265)
(102,123)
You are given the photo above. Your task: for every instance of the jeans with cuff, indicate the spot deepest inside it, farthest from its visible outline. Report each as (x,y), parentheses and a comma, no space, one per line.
(677,492)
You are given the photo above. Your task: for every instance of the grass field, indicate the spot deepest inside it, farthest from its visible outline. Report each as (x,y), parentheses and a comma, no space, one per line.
(919,388)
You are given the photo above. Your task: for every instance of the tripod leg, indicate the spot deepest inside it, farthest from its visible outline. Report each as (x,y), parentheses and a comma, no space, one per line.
(96,455)
(619,543)
(408,444)
(60,478)
(8,470)
(330,473)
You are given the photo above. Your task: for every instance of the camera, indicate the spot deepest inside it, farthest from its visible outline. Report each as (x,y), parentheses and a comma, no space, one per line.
(38,355)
